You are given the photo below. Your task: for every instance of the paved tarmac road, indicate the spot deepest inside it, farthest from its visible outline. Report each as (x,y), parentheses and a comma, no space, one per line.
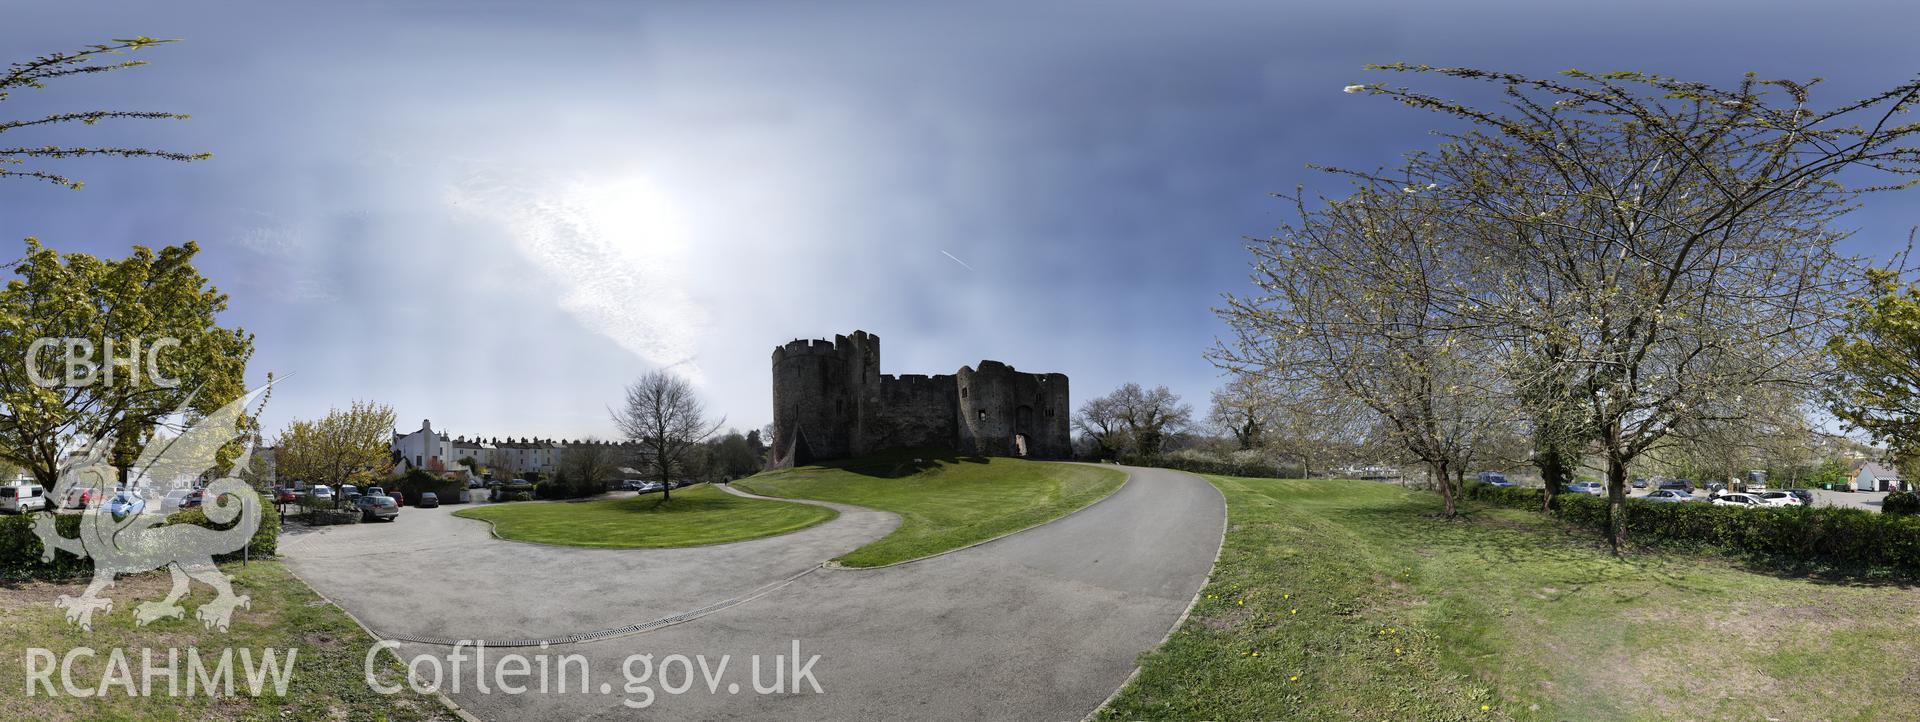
(1043,624)
(430,575)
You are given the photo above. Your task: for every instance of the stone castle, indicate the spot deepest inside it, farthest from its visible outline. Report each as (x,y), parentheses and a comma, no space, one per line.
(830,401)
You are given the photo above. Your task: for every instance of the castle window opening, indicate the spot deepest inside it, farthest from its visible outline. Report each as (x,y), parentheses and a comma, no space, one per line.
(963,392)
(983,414)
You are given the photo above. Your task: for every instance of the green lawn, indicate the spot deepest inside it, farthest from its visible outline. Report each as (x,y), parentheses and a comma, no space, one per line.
(1353,600)
(944,501)
(327,681)
(696,515)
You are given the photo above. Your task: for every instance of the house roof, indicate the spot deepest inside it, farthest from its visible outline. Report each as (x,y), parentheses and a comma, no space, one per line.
(1878,470)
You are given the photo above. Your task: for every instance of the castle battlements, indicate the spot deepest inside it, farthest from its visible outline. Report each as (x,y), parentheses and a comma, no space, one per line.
(831,401)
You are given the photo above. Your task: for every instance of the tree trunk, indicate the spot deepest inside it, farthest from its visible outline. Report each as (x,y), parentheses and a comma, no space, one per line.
(1617,504)
(1444,485)
(1554,476)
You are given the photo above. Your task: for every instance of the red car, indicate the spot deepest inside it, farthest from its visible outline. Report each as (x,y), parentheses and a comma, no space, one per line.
(284,495)
(81,498)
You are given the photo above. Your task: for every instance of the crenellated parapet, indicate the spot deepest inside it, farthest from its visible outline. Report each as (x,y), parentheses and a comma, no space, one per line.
(831,401)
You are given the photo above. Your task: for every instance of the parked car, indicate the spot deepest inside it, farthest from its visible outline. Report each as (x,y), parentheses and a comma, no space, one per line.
(1668,496)
(375,491)
(320,493)
(428,500)
(1738,499)
(398,497)
(1588,487)
(1777,498)
(22,498)
(1678,485)
(632,484)
(1804,495)
(284,495)
(376,508)
(1495,478)
(81,498)
(647,487)
(349,491)
(171,501)
(124,504)
(1715,487)
(1639,483)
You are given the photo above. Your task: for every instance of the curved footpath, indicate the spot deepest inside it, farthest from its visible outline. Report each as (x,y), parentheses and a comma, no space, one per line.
(434,576)
(1040,624)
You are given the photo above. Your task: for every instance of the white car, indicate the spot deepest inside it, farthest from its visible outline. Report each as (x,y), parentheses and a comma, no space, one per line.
(1777,498)
(1668,496)
(1588,487)
(1747,501)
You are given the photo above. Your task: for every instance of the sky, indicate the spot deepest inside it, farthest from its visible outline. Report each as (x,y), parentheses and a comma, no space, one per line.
(495,215)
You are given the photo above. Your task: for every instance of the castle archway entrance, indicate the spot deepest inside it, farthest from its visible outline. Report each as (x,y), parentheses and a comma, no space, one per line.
(1022,429)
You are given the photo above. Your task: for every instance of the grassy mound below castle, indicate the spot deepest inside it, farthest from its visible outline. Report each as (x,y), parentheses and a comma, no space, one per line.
(945,501)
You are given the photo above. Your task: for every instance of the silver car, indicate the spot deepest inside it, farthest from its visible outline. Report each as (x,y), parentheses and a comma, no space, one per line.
(1588,487)
(376,508)
(1668,496)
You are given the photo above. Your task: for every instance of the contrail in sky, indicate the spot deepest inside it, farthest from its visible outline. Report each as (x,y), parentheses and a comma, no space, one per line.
(956,260)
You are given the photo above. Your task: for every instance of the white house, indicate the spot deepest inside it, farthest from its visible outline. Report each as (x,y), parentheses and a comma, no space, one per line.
(1875,476)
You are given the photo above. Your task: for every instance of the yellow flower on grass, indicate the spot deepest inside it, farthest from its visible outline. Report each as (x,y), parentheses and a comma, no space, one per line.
(1293,611)
(1294,678)
(1484,708)
(1241,602)
(1286,596)
(1396,650)
(1256,654)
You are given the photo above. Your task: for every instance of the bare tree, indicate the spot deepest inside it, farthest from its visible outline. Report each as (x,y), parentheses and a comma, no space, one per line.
(664,416)
(1350,301)
(36,73)
(1149,415)
(586,467)
(1244,409)
(1653,248)
(1099,422)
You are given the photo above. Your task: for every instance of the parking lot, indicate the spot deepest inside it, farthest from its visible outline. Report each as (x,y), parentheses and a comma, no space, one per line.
(1868,500)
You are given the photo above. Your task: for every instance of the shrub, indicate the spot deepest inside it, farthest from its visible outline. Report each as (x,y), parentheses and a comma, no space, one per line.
(330,517)
(521,496)
(1841,536)
(20,546)
(1901,503)
(416,482)
(265,541)
(1254,465)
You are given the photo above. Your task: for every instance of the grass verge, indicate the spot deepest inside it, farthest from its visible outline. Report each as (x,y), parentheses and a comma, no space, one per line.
(1344,599)
(696,516)
(327,681)
(944,501)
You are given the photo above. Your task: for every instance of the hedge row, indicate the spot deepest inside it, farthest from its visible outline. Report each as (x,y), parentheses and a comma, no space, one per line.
(20,547)
(1256,470)
(1840,536)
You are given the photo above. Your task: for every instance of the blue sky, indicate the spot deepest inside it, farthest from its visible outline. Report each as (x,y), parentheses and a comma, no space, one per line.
(495,214)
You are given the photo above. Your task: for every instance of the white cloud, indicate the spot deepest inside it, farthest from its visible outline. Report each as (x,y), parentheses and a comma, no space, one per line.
(615,246)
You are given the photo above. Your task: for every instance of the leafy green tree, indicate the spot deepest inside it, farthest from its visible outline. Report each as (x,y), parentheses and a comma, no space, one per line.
(36,73)
(351,446)
(1876,381)
(185,361)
